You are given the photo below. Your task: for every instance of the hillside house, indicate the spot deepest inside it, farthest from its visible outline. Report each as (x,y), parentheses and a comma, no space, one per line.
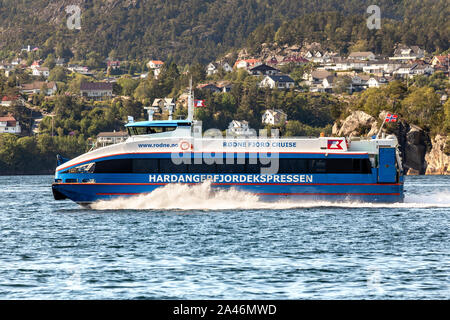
(316,77)
(224,86)
(376,82)
(277,82)
(41,72)
(107,138)
(239,128)
(326,84)
(316,56)
(274,117)
(214,67)
(36,87)
(411,70)
(405,53)
(155,64)
(96,90)
(382,66)
(296,60)
(79,69)
(364,55)
(340,64)
(113,64)
(209,86)
(9,125)
(164,103)
(440,61)
(360,80)
(263,70)
(247,63)
(8,101)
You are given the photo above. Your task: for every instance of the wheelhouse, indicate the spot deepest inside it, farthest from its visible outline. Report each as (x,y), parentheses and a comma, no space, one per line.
(157,127)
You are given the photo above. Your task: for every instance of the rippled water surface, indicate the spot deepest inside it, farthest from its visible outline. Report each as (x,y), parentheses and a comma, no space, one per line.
(224,246)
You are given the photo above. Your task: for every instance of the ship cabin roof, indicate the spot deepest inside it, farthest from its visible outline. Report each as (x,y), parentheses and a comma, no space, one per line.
(163,128)
(159,123)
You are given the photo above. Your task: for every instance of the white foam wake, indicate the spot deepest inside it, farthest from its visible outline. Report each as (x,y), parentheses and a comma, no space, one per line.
(204,197)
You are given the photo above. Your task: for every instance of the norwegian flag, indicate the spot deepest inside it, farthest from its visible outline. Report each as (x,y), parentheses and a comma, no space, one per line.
(199,103)
(391,118)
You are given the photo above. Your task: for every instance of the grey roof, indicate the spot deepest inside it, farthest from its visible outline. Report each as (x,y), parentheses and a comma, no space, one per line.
(361,54)
(320,74)
(92,86)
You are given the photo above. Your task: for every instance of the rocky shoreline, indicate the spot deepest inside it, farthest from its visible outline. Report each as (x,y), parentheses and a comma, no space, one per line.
(420,153)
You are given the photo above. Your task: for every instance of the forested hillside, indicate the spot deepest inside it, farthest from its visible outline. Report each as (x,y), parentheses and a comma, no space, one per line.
(200,30)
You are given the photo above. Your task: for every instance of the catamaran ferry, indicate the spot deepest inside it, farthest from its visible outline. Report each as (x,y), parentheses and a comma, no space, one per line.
(161,152)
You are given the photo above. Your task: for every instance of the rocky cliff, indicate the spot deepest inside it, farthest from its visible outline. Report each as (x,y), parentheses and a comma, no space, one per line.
(438,162)
(420,154)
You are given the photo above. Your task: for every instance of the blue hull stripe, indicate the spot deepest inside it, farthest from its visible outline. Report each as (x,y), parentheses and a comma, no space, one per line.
(91,192)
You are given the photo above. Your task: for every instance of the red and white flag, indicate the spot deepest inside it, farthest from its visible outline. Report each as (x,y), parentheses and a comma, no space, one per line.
(391,118)
(199,103)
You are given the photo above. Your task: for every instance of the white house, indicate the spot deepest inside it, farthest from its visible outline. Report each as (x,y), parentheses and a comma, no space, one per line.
(9,101)
(441,61)
(213,67)
(41,71)
(422,69)
(106,138)
(247,63)
(155,64)
(9,125)
(96,90)
(404,53)
(274,117)
(36,86)
(277,82)
(315,76)
(239,128)
(410,70)
(362,55)
(78,69)
(321,57)
(327,82)
(382,66)
(375,82)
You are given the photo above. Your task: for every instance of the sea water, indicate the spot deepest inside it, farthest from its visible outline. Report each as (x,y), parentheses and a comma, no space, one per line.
(194,242)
